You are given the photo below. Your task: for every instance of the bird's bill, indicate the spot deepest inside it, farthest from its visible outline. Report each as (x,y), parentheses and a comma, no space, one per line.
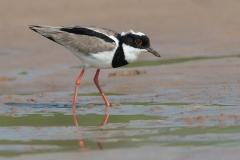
(151,50)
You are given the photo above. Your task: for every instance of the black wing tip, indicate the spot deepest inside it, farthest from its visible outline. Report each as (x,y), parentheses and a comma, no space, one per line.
(33,27)
(36,27)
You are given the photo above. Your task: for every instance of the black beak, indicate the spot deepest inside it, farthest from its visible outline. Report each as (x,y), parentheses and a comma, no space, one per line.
(151,50)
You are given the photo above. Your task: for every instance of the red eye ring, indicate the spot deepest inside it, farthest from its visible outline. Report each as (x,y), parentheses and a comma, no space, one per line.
(138,41)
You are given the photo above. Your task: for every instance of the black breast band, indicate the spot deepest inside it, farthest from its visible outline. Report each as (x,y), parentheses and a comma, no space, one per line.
(119,57)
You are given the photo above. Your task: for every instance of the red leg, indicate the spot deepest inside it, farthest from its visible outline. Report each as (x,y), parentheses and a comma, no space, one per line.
(99,88)
(75,118)
(78,81)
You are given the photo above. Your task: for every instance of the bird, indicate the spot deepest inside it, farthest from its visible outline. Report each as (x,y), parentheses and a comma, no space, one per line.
(98,47)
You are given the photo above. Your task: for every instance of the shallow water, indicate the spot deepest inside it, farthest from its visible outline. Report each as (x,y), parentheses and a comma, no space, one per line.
(49,127)
(169,61)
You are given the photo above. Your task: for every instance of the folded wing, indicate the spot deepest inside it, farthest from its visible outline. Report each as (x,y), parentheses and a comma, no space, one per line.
(85,40)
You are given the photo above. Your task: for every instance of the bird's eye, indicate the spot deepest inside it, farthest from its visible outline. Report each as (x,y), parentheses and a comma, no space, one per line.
(138,41)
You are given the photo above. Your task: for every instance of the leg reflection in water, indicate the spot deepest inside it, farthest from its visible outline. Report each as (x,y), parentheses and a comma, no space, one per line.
(80,141)
(104,122)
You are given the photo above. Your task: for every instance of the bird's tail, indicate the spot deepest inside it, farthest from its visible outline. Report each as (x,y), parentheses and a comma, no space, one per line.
(44,30)
(47,31)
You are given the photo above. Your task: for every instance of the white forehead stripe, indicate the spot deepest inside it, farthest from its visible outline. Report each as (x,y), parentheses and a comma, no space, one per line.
(131,31)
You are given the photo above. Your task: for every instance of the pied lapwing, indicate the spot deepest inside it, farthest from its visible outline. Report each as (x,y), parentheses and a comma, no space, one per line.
(98,47)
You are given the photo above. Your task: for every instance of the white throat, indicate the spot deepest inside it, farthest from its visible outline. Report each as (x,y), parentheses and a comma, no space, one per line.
(131,53)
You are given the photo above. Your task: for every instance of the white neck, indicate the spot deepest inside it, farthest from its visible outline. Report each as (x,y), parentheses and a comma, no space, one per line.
(131,53)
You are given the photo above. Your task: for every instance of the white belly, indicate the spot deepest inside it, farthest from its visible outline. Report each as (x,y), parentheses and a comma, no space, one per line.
(100,60)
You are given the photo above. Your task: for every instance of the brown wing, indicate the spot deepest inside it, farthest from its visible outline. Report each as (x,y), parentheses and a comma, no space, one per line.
(80,39)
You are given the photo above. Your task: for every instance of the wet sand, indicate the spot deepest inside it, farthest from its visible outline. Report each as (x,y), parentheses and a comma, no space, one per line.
(149,153)
(37,75)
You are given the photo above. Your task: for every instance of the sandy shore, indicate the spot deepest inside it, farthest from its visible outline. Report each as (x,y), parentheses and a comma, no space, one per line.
(32,67)
(177,29)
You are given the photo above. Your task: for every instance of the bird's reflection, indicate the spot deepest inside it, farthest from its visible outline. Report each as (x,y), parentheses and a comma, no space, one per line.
(80,141)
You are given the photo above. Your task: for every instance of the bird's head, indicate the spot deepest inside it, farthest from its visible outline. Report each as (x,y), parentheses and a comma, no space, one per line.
(135,43)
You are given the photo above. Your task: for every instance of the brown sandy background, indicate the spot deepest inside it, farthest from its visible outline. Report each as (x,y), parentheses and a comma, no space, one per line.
(176,28)
(186,28)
